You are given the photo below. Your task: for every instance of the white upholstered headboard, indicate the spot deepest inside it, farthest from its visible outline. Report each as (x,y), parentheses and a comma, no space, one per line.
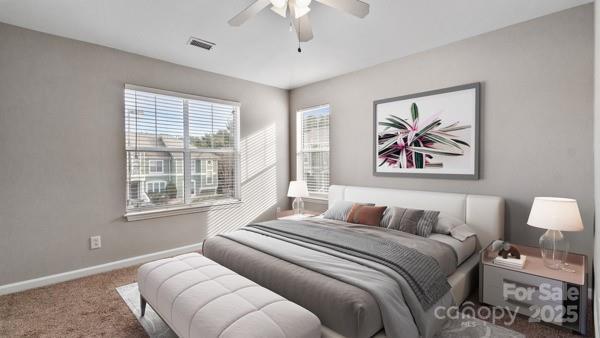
(484,214)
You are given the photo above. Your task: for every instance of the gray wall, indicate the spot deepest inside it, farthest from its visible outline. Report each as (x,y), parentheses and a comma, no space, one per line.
(62,172)
(537,110)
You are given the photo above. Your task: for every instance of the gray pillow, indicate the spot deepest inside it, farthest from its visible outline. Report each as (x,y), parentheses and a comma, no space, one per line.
(339,210)
(427,222)
(403,219)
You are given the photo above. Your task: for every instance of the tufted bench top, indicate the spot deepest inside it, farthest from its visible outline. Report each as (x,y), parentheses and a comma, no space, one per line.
(197,297)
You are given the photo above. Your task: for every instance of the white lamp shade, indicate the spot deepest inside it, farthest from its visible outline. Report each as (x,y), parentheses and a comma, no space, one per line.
(555,214)
(298,189)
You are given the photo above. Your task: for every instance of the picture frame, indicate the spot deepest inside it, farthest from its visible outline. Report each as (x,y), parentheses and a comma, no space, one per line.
(432,134)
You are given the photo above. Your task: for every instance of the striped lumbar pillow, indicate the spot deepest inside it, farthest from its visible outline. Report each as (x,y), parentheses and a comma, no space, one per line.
(427,223)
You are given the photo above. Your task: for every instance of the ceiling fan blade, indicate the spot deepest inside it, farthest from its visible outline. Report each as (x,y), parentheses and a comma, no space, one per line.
(354,7)
(249,12)
(302,26)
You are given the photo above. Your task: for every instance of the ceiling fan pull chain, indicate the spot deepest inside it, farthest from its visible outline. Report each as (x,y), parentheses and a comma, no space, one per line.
(298,34)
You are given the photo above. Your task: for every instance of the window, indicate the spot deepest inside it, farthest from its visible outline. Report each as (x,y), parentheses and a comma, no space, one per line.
(312,144)
(155,166)
(156,187)
(168,132)
(209,172)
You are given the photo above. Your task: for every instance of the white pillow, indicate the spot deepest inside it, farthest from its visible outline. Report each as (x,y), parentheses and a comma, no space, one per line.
(446,223)
(462,232)
(338,211)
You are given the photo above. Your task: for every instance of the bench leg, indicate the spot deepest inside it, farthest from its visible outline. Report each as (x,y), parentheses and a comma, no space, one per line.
(143,305)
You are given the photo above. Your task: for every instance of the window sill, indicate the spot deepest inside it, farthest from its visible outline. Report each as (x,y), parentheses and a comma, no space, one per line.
(317,199)
(188,209)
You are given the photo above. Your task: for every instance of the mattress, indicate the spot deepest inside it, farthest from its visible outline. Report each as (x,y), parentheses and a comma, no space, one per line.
(345,308)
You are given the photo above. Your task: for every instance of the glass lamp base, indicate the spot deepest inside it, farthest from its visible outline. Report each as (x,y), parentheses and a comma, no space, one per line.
(554,248)
(298,205)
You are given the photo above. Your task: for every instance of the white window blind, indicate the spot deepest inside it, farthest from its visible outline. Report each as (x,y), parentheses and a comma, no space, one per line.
(313,149)
(167,137)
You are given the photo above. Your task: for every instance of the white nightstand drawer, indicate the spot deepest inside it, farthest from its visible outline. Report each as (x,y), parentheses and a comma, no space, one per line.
(558,297)
(528,294)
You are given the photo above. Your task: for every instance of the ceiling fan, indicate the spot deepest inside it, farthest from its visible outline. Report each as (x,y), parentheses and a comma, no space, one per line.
(297,11)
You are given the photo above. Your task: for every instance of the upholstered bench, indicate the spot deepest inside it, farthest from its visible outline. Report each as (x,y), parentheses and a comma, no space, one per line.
(197,297)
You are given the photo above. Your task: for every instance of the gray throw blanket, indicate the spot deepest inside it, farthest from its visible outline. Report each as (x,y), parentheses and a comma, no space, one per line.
(421,272)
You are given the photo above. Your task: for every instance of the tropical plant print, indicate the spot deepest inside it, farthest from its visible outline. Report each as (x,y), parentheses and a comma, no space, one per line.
(402,144)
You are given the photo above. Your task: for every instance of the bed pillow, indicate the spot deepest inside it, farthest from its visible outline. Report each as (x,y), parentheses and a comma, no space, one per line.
(446,223)
(403,219)
(462,232)
(427,222)
(339,210)
(365,214)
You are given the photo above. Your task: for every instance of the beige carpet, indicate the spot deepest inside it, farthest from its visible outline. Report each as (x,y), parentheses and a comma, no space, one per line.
(91,307)
(87,307)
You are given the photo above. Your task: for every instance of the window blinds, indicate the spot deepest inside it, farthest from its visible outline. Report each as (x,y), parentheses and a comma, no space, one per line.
(313,156)
(181,149)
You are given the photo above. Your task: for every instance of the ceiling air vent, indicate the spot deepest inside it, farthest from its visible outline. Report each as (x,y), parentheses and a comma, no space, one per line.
(201,43)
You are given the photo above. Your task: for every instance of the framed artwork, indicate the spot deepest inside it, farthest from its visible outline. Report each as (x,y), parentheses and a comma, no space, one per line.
(431,134)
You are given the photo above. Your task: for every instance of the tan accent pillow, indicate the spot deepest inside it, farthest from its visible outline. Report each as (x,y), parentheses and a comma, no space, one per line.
(340,210)
(365,214)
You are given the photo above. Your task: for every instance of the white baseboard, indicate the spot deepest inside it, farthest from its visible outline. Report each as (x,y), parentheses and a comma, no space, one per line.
(92,270)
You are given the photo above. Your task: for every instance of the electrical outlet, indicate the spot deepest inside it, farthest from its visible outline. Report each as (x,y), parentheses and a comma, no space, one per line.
(95,242)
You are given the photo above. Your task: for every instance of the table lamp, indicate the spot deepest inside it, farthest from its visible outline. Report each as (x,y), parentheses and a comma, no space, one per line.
(555,215)
(298,189)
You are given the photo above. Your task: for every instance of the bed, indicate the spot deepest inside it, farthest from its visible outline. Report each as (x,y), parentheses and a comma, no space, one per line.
(354,297)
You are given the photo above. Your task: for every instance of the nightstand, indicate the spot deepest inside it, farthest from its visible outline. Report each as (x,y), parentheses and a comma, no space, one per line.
(552,296)
(291,215)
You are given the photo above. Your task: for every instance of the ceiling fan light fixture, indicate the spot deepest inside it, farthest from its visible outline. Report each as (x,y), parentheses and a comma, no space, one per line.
(302,3)
(297,11)
(279,3)
(280,10)
(301,11)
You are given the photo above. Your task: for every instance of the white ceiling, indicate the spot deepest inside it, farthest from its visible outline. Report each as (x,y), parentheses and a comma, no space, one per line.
(264,50)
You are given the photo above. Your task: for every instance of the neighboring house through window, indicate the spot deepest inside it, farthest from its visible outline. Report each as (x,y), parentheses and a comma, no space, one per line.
(193,187)
(312,144)
(134,190)
(175,143)
(156,166)
(156,187)
(209,172)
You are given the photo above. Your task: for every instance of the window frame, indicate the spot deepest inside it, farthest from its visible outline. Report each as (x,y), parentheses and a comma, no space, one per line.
(188,206)
(212,173)
(318,197)
(162,166)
